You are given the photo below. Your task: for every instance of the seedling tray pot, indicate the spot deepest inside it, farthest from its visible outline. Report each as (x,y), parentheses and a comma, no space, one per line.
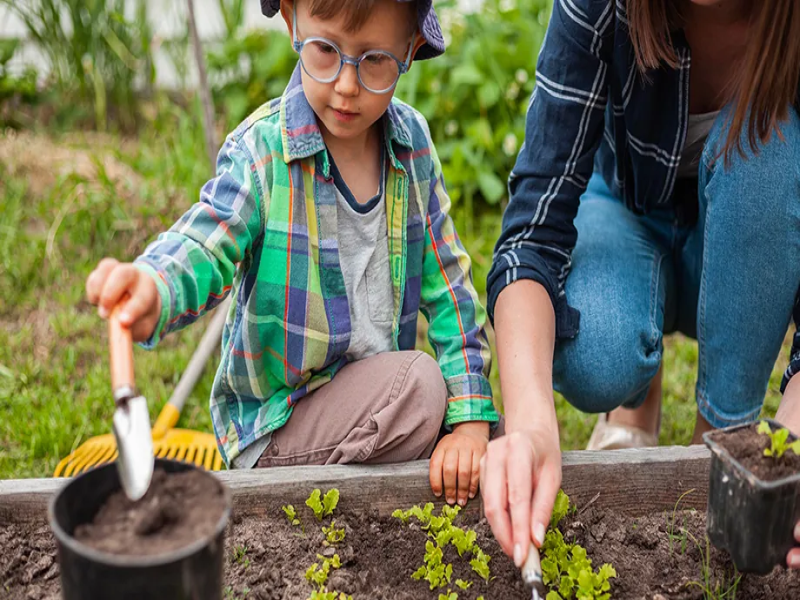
(753,520)
(193,572)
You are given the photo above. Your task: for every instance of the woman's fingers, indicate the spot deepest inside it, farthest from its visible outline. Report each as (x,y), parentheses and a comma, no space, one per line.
(548,482)
(519,469)
(494,492)
(793,558)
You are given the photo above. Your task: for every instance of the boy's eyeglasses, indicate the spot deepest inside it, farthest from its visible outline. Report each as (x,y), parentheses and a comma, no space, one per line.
(378,71)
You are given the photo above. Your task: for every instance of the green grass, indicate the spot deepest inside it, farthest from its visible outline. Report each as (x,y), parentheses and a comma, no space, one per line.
(54,383)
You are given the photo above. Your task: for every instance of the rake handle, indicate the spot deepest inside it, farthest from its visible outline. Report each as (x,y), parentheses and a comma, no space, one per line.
(120,347)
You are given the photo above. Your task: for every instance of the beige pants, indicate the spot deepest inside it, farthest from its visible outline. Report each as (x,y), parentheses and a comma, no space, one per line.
(384,409)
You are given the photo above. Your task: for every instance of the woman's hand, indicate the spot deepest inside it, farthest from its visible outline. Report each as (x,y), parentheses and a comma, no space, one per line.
(456,459)
(520,478)
(793,558)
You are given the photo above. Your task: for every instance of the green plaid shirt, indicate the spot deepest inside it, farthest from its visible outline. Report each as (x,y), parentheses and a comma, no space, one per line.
(265,231)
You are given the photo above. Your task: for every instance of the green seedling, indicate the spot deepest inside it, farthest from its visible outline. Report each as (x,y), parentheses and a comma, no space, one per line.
(332,534)
(778,441)
(566,569)
(480,564)
(326,595)
(442,531)
(291,515)
(464,585)
(449,596)
(724,588)
(230,594)
(318,575)
(323,505)
(680,536)
(239,554)
(434,571)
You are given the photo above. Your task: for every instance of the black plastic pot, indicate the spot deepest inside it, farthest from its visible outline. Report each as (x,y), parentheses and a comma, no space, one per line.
(193,572)
(753,520)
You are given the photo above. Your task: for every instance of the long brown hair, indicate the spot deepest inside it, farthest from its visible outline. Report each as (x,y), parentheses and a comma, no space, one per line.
(767,84)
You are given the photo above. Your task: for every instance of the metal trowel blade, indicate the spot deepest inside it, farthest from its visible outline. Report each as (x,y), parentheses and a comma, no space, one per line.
(135,445)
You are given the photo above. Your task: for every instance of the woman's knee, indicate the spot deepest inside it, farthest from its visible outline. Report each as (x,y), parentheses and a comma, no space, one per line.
(599,377)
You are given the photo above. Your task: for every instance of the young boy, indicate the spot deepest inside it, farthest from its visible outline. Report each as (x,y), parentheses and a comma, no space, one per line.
(328,222)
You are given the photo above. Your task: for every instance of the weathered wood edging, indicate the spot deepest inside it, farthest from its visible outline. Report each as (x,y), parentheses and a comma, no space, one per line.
(633,482)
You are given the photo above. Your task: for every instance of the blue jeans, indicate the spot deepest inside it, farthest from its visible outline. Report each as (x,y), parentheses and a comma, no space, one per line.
(729,281)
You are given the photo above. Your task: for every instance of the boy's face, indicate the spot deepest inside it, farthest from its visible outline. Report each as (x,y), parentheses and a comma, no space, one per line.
(343,107)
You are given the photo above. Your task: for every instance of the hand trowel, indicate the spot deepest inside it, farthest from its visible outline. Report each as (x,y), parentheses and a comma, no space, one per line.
(532,574)
(131,418)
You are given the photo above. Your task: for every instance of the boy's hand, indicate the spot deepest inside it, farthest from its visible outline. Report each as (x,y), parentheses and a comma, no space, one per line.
(111,281)
(455,464)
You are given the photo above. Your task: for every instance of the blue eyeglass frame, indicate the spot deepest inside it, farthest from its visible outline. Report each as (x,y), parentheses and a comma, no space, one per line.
(402,67)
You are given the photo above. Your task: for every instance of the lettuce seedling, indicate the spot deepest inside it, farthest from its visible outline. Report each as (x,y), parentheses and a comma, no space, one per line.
(291,515)
(434,571)
(318,575)
(332,534)
(566,568)
(480,564)
(326,595)
(323,505)
(464,585)
(449,596)
(778,441)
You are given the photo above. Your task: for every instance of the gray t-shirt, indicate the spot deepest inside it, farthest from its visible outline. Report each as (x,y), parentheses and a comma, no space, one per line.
(697,131)
(364,257)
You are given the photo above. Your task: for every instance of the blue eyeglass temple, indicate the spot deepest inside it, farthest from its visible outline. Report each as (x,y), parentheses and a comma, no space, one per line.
(350,60)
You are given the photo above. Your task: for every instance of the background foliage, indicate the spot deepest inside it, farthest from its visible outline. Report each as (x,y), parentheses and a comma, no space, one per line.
(94,162)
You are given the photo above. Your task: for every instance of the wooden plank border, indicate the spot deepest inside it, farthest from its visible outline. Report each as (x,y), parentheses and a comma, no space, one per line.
(634,482)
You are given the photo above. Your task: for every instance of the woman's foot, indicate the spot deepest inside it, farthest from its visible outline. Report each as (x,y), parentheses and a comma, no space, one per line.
(630,428)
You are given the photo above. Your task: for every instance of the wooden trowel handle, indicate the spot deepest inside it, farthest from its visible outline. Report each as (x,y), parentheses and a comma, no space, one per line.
(120,346)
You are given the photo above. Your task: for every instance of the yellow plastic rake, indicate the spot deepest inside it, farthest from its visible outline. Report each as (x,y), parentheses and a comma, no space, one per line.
(179,444)
(184,445)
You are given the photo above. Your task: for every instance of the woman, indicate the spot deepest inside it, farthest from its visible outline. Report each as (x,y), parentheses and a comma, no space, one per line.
(658,190)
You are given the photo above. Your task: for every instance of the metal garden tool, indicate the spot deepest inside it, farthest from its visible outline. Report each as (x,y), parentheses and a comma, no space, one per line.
(131,418)
(189,446)
(532,574)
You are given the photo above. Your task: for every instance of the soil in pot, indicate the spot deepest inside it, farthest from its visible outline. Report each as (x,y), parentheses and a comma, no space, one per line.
(747,446)
(266,559)
(178,509)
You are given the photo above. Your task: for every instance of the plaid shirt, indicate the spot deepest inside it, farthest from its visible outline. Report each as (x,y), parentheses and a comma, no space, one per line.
(265,231)
(591,111)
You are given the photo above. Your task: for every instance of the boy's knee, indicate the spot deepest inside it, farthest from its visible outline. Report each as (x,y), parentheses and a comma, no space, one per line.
(425,391)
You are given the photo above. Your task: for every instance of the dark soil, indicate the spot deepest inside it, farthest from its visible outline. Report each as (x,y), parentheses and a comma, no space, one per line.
(178,510)
(266,559)
(747,446)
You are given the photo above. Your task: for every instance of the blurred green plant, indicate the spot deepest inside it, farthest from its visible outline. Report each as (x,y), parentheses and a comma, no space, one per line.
(475,96)
(11,86)
(96,54)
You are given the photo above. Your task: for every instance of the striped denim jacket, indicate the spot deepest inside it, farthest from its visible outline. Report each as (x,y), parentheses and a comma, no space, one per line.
(265,231)
(610,120)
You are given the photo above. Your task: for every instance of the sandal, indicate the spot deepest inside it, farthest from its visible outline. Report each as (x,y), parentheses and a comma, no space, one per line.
(607,436)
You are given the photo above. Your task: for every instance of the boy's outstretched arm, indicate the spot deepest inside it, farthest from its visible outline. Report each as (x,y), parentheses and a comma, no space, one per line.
(456,316)
(191,266)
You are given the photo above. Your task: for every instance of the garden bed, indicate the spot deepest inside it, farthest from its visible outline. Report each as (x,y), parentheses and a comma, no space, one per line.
(628,518)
